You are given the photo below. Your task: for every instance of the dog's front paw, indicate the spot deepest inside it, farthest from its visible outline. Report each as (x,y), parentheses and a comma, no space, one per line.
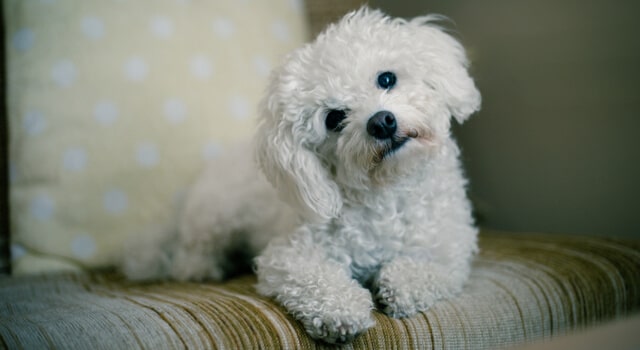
(336,330)
(400,300)
(339,316)
(405,288)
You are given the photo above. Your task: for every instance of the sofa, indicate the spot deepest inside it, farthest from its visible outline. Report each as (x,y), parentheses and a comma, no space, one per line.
(522,289)
(525,289)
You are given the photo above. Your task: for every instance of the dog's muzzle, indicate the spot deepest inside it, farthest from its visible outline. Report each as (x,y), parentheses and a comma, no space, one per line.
(382,125)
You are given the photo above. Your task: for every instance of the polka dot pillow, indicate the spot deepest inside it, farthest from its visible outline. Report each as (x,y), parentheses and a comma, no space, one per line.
(114,106)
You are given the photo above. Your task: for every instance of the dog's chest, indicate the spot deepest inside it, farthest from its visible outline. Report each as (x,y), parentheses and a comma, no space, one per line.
(370,238)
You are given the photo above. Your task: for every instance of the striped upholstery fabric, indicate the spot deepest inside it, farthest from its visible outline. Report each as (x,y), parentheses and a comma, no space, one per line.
(523,288)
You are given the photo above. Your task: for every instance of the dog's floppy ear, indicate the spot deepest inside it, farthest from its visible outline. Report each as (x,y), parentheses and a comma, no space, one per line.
(445,68)
(284,155)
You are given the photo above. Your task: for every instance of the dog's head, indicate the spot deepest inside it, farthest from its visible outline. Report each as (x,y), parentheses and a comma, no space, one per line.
(359,107)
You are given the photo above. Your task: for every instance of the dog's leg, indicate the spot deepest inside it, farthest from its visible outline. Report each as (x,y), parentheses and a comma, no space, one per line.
(435,261)
(229,215)
(407,285)
(147,257)
(214,238)
(318,292)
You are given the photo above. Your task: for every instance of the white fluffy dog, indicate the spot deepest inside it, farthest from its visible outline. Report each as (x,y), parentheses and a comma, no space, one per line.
(354,136)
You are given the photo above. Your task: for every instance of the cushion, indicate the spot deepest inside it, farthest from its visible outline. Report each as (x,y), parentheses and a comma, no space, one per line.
(523,288)
(115,105)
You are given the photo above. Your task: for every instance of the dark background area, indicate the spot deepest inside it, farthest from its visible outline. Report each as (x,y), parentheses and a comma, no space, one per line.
(556,146)
(4,154)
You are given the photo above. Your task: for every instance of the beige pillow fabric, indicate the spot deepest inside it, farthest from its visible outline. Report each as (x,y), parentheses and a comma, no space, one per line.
(115,104)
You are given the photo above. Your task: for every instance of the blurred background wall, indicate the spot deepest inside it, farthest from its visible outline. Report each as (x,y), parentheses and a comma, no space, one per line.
(556,146)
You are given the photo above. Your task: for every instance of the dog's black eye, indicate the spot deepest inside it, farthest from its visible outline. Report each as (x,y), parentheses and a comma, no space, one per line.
(386,80)
(334,120)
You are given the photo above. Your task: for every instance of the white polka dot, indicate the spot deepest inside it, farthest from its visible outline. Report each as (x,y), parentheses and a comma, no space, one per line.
(74,159)
(64,73)
(92,27)
(136,68)
(83,246)
(201,67)
(211,150)
(262,66)
(161,27)
(223,27)
(105,112)
(23,39)
(115,201)
(239,107)
(175,111)
(280,30)
(42,207)
(147,155)
(34,123)
(17,251)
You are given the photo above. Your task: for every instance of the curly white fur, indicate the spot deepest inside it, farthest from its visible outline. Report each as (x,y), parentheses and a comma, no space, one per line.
(366,225)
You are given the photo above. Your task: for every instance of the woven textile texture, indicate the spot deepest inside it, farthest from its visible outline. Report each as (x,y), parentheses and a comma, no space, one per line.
(523,288)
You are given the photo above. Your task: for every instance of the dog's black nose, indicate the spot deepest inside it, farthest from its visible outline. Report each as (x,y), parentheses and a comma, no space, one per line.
(382,125)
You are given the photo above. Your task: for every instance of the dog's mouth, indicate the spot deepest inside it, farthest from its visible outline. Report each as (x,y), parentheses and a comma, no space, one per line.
(392,146)
(389,147)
